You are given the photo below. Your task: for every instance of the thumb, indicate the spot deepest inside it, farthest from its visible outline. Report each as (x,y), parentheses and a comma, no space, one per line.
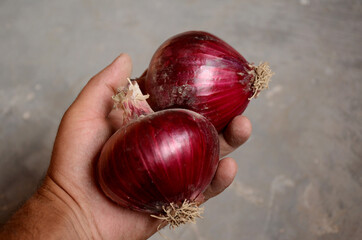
(95,100)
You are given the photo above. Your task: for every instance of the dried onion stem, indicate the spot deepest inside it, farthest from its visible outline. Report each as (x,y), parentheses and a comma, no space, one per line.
(131,100)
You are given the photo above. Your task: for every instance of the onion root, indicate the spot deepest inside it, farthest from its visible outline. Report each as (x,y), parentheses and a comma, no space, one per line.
(262,75)
(176,215)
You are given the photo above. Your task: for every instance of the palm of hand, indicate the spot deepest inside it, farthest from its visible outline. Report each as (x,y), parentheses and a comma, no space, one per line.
(84,129)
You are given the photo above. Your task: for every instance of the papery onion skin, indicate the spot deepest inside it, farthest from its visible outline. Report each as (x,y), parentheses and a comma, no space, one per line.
(199,71)
(162,158)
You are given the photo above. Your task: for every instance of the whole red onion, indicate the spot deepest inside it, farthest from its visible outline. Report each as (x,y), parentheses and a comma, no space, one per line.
(198,71)
(158,163)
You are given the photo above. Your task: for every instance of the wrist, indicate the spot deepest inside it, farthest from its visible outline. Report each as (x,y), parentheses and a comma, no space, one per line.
(49,214)
(66,210)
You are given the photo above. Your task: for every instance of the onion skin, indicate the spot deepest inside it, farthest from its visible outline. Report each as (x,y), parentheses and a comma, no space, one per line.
(162,158)
(198,71)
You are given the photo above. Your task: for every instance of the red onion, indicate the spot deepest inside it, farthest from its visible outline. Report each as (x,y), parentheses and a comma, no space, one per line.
(198,71)
(158,163)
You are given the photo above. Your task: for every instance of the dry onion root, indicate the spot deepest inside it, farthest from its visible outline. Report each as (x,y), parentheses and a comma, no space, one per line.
(262,75)
(176,215)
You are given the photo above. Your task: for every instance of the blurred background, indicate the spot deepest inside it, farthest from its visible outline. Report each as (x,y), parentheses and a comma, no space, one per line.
(300,173)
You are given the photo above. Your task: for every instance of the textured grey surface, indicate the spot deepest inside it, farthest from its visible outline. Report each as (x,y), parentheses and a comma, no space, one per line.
(300,174)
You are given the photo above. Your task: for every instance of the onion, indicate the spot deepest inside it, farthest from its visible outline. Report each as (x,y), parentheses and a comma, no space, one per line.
(160,162)
(198,71)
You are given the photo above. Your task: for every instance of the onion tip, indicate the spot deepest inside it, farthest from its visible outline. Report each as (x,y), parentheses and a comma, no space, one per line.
(131,100)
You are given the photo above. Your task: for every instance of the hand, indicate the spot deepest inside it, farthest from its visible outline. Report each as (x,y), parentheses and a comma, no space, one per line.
(85,127)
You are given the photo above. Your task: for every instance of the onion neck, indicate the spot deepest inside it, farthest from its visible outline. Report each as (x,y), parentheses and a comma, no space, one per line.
(262,75)
(132,102)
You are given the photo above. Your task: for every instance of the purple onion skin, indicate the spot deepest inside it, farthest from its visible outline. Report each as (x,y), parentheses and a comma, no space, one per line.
(198,71)
(165,157)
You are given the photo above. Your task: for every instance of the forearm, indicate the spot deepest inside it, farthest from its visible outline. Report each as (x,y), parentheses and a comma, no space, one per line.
(49,214)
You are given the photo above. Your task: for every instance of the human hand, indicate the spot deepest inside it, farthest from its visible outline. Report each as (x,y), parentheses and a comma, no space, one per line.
(84,129)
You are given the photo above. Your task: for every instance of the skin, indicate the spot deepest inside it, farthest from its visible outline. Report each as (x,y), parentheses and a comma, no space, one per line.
(69,204)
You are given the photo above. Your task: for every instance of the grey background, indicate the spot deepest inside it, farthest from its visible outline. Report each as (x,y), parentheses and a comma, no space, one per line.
(299,174)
